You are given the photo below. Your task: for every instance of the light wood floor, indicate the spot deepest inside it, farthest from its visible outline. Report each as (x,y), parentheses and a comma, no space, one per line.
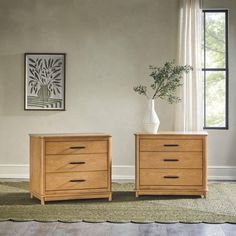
(8,228)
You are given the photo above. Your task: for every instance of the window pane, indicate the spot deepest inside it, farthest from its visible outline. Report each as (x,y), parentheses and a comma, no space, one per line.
(202,41)
(215,99)
(215,39)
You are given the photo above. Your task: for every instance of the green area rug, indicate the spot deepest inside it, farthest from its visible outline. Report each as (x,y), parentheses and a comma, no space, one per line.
(219,207)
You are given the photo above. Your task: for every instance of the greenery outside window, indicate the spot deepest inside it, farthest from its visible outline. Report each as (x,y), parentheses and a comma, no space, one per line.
(215,68)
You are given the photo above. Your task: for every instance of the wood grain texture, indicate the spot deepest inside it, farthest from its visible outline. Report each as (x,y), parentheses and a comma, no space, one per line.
(67,195)
(172,191)
(76,180)
(69,166)
(205,165)
(173,134)
(109,166)
(171,163)
(170,145)
(37,165)
(137,164)
(82,136)
(170,177)
(80,162)
(170,159)
(78,147)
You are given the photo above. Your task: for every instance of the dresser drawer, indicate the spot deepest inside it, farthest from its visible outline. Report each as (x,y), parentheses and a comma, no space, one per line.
(170,160)
(76,147)
(76,180)
(79,162)
(168,177)
(170,145)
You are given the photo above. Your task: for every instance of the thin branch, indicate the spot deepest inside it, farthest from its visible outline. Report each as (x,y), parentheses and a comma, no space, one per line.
(157,90)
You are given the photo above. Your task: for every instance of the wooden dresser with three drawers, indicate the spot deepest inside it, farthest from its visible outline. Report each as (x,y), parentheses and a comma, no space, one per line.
(70,166)
(171,163)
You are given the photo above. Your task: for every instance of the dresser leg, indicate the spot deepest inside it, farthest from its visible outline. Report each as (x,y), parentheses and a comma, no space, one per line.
(42,201)
(110,197)
(136,194)
(31,195)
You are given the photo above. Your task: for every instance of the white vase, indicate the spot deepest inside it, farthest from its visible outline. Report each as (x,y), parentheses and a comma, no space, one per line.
(151,120)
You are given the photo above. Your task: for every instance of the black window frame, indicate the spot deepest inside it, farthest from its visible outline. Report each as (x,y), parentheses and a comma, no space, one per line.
(226,69)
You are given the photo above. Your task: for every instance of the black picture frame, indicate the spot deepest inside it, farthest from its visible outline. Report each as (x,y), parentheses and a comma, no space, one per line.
(44,81)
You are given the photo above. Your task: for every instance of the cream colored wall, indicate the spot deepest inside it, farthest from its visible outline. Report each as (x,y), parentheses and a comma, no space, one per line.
(222,143)
(109,46)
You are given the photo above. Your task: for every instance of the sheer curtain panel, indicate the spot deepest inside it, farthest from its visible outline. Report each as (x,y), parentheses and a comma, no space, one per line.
(189,112)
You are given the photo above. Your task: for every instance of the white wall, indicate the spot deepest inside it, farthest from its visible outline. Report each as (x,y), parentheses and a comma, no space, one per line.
(222,143)
(109,46)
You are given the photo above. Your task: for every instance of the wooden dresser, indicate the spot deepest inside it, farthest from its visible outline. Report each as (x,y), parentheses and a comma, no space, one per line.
(171,163)
(70,166)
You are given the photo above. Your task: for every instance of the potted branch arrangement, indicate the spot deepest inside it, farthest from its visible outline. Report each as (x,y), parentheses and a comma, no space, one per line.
(166,80)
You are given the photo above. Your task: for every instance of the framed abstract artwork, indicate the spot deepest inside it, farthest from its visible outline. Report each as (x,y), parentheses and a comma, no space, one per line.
(45,81)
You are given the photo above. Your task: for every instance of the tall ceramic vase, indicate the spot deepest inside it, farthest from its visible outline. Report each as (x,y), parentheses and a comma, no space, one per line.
(151,120)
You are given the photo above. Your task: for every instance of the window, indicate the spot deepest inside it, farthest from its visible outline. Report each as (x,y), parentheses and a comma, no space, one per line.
(215,68)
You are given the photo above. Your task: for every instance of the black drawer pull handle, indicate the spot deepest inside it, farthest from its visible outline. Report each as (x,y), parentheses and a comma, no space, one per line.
(78,147)
(171,145)
(170,160)
(77,162)
(77,180)
(171,177)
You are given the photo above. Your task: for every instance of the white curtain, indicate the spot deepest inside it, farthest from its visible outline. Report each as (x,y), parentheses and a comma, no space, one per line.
(188,113)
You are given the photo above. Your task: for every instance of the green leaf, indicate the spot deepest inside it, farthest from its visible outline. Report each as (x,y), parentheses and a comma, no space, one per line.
(166,80)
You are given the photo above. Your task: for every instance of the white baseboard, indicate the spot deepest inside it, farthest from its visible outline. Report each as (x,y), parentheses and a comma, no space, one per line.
(123,173)
(222,172)
(119,172)
(10,171)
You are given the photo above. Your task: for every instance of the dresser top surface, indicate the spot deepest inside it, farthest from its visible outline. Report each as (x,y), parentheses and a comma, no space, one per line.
(174,133)
(49,135)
